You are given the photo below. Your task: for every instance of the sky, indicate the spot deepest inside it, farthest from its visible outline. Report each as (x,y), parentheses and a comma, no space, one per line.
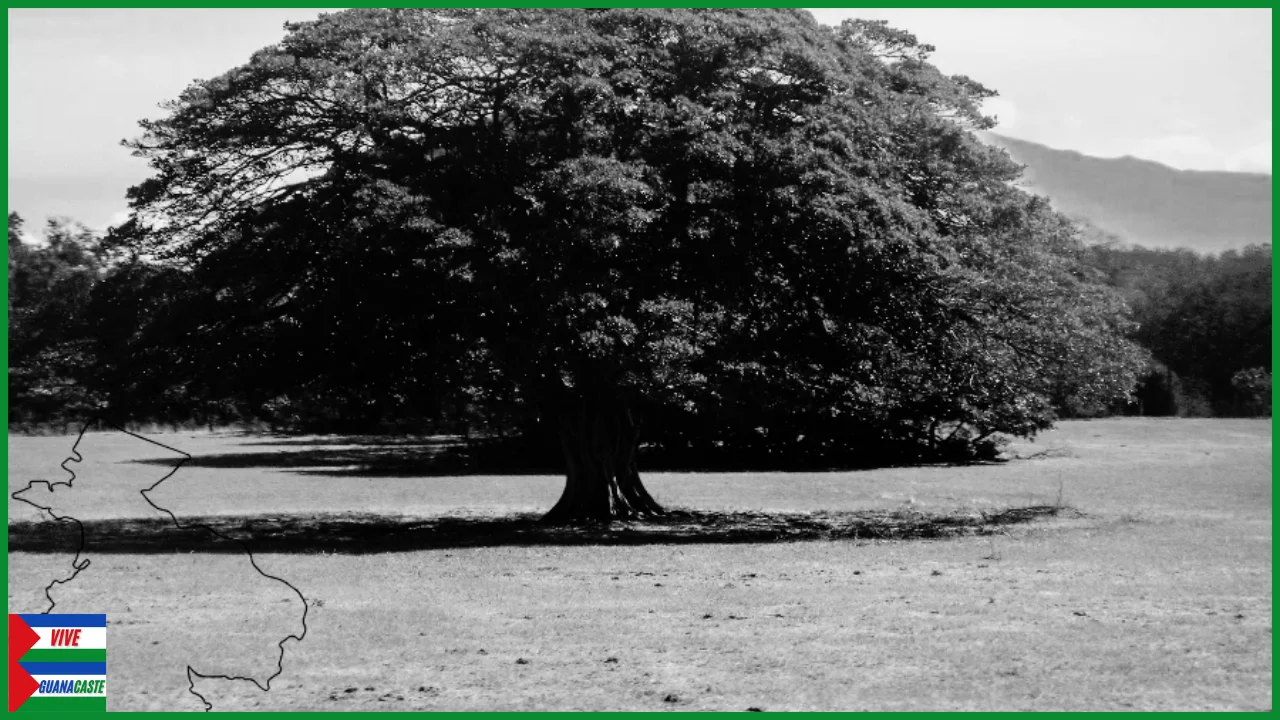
(1185,87)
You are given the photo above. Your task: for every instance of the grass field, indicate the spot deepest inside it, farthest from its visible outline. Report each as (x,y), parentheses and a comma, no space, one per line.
(1155,595)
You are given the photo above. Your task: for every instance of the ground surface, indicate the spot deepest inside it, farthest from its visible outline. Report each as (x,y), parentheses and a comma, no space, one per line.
(1156,597)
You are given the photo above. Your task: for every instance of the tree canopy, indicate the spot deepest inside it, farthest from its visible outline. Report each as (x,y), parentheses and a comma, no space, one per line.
(773,227)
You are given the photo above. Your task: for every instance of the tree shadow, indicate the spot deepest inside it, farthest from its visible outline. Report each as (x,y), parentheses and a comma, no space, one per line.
(442,441)
(359,534)
(442,455)
(365,456)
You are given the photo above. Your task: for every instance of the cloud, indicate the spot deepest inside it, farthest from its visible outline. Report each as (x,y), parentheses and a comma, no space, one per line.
(1256,158)
(1195,152)
(1005,112)
(1177,150)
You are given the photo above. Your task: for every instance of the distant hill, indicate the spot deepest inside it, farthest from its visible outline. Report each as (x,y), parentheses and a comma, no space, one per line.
(1146,203)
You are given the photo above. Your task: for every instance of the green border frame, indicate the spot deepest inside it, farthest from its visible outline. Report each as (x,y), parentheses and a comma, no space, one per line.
(4,344)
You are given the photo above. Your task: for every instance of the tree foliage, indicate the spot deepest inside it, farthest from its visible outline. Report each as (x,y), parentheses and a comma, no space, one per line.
(50,284)
(1205,319)
(744,219)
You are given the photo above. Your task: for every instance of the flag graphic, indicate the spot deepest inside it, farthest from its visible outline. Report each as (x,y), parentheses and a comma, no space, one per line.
(58,662)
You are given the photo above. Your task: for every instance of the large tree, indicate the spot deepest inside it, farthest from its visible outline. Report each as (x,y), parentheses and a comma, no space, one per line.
(730,213)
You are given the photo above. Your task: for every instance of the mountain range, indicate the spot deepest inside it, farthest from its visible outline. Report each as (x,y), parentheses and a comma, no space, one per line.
(1146,203)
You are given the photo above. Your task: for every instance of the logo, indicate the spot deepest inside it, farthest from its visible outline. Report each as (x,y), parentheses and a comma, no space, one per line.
(58,663)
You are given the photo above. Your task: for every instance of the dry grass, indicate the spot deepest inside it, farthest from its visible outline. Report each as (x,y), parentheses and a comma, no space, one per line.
(1156,597)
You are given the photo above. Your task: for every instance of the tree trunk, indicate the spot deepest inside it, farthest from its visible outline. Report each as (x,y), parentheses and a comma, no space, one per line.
(602,481)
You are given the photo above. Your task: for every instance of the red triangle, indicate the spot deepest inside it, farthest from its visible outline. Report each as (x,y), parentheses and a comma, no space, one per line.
(21,638)
(21,684)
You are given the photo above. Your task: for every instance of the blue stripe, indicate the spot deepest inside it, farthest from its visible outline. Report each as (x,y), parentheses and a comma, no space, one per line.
(64,620)
(64,668)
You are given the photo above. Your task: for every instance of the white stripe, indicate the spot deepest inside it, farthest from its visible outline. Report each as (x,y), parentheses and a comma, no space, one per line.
(56,678)
(91,638)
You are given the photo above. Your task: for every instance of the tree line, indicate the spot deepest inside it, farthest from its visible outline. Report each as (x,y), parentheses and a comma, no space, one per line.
(74,306)
(1206,320)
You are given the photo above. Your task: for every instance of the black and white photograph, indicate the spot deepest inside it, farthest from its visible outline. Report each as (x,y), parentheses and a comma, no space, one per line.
(639,359)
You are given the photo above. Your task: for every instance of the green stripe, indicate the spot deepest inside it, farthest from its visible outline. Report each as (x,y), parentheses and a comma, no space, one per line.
(67,655)
(67,704)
